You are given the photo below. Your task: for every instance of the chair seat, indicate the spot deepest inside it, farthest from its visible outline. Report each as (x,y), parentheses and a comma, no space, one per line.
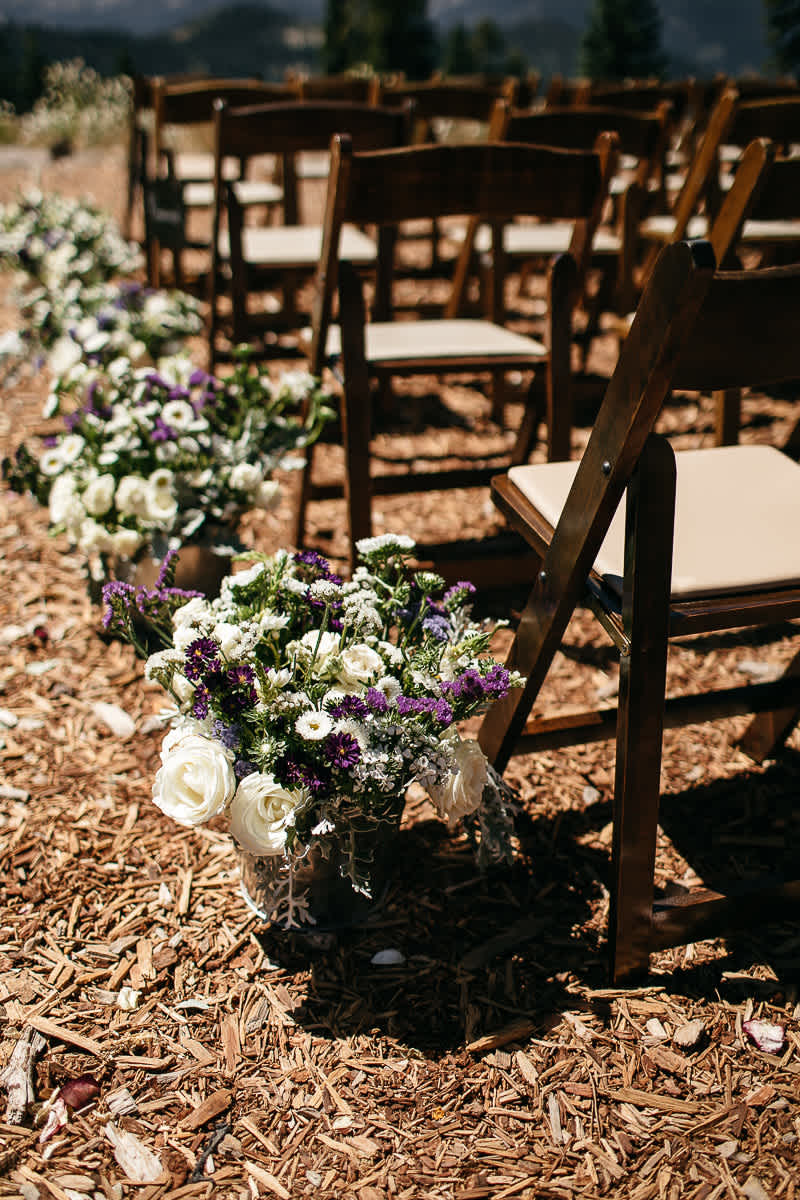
(297,246)
(199,194)
(737,512)
(548,238)
(407,341)
(661,229)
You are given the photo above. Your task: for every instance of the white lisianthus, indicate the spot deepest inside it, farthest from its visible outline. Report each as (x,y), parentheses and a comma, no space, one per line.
(236,641)
(360,665)
(125,542)
(94,538)
(98,495)
(62,496)
(65,354)
(196,780)
(323,647)
(161,502)
(267,495)
(131,497)
(462,791)
(261,813)
(245,477)
(195,613)
(270,622)
(178,414)
(313,726)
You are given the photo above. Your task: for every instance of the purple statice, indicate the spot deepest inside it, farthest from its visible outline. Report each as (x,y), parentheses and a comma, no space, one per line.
(50,441)
(415,706)
(376,701)
(162,432)
(202,658)
(341,750)
(197,377)
(178,393)
(243,767)
(348,706)
(72,420)
(118,599)
(229,735)
(458,594)
(466,686)
(495,681)
(437,626)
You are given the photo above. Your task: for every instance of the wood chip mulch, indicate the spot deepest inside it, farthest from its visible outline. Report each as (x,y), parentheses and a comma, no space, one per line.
(159,1042)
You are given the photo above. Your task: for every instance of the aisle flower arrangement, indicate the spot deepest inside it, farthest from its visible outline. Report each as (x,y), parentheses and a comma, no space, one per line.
(164,454)
(55,240)
(305,706)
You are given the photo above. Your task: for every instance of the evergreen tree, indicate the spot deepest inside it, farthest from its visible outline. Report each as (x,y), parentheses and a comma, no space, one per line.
(345,44)
(783,32)
(623,40)
(401,38)
(459,57)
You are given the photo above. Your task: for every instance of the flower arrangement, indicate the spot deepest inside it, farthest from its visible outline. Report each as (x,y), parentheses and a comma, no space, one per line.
(163,454)
(56,241)
(306,706)
(108,321)
(78,107)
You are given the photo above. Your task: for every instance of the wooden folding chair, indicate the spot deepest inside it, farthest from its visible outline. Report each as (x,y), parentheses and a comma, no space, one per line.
(496,181)
(707,541)
(257,256)
(643,138)
(186,109)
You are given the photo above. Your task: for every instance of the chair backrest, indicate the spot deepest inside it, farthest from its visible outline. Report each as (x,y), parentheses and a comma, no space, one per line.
(453,99)
(776,119)
(495,181)
(641,96)
(358,89)
(642,135)
(192,103)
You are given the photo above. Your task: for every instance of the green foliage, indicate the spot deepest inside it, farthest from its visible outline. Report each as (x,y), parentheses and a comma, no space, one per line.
(481,50)
(623,40)
(783,32)
(386,35)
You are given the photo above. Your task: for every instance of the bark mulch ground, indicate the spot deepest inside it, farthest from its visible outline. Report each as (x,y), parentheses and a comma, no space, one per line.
(492,1060)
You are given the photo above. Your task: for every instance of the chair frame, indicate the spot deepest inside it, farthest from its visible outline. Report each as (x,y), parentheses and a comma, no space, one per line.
(680,338)
(498,181)
(284,129)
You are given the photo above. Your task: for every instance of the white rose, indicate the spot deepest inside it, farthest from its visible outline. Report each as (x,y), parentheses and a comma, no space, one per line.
(196,780)
(462,791)
(245,477)
(360,665)
(98,494)
(267,495)
(194,613)
(260,814)
(131,497)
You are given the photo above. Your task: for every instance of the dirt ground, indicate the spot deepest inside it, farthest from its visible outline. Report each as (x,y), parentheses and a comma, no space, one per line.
(491,1059)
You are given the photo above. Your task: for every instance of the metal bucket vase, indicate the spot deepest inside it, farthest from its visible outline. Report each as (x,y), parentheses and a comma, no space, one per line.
(312,894)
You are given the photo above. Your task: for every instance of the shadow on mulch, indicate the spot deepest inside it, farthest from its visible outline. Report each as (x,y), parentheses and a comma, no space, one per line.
(484,951)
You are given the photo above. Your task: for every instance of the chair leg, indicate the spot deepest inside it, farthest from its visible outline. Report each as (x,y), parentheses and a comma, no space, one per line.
(640,719)
(303,497)
(728,405)
(356,406)
(767,732)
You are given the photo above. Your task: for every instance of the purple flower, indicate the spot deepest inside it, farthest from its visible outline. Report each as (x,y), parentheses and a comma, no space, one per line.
(297,774)
(376,701)
(50,440)
(202,658)
(202,697)
(243,767)
(466,686)
(495,681)
(342,750)
(349,706)
(198,377)
(443,712)
(162,432)
(229,735)
(437,626)
(458,593)
(320,566)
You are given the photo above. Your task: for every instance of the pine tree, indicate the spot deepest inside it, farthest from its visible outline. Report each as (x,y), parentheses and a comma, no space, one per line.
(623,40)
(401,38)
(459,57)
(783,32)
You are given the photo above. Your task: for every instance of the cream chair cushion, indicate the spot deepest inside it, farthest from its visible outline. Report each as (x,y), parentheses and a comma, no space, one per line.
(737,516)
(399,341)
